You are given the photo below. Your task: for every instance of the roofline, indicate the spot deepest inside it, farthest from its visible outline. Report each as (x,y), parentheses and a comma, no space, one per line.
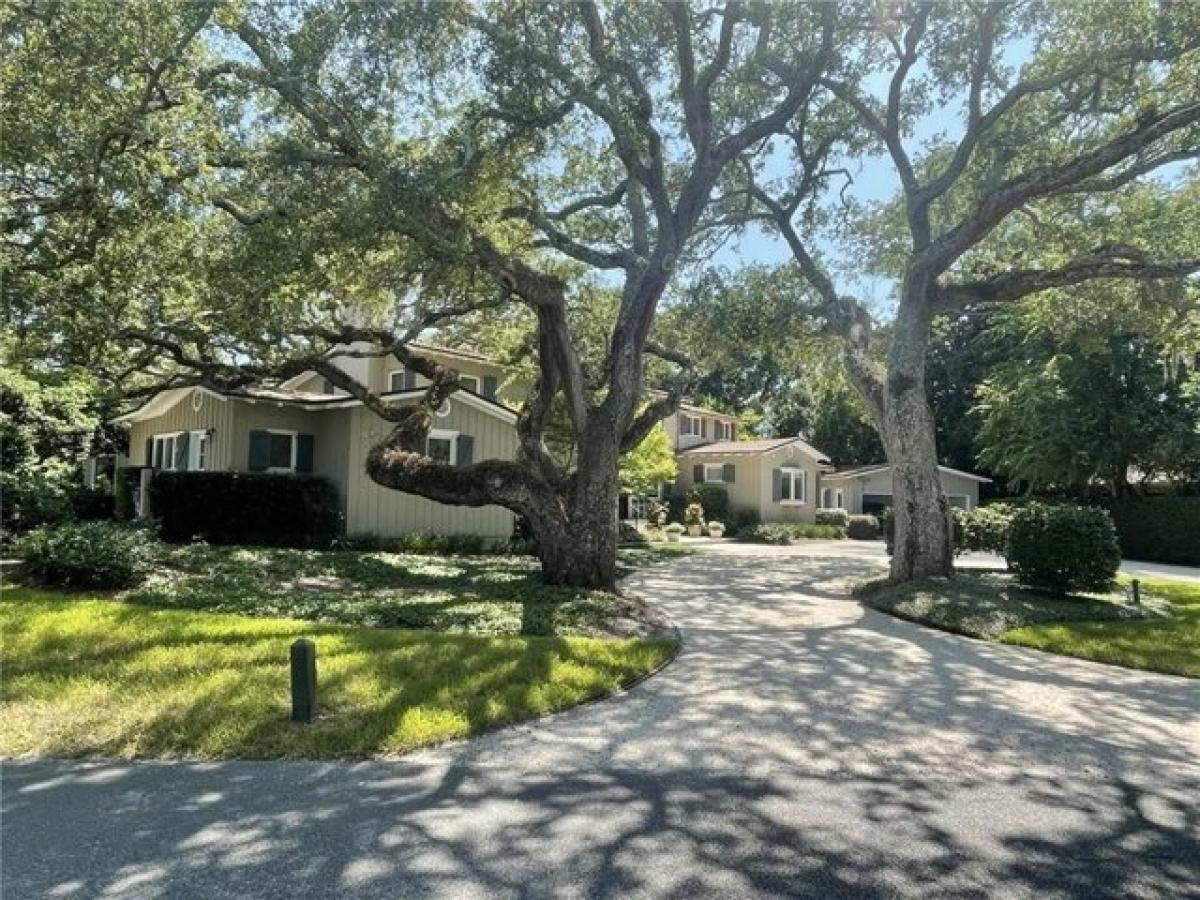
(420,345)
(701,449)
(884,467)
(469,397)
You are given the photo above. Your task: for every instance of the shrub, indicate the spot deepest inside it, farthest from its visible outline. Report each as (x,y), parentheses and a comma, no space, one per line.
(30,503)
(628,534)
(784,533)
(1158,529)
(740,520)
(656,516)
(838,518)
(92,504)
(863,528)
(89,554)
(246,508)
(887,524)
(443,544)
(715,501)
(983,528)
(1063,548)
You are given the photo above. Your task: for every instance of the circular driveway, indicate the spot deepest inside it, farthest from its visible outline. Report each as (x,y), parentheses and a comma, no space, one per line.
(800,745)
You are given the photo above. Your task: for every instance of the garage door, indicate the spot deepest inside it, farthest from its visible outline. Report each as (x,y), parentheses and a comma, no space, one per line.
(875,504)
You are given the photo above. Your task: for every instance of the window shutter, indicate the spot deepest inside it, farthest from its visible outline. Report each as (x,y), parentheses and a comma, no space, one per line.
(698,474)
(466,450)
(409,381)
(704,428)
(776,485)
(181,451)
(260,451)
(489,386)
(305,450)
(728,473)
(149,459)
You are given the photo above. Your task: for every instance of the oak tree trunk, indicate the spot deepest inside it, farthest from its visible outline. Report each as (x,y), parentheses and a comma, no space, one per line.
(923,542)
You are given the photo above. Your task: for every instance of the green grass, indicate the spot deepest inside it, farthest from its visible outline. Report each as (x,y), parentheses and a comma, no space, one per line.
(1169,645)
(463,594)
(95,676)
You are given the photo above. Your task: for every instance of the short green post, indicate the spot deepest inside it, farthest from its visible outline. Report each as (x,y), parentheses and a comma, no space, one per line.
(1137,592)
(304,680)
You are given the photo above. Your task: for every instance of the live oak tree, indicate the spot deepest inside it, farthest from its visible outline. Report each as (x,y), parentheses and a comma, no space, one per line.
(355,174)
(1058,110)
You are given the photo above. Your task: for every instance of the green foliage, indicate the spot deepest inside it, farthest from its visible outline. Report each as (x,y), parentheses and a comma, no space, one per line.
(1158,529)
(863,528)
(784,533)
(656,516)
(838,518)
(741,520)
(246,508)
(714,499)
(88,554)
(1063,548)
(650,464)
(984,528)
(425,544)
(693,516)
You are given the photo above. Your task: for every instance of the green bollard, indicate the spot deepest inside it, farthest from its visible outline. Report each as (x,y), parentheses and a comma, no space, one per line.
(304,680)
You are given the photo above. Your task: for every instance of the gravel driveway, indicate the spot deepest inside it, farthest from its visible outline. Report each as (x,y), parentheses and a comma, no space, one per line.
(800,745)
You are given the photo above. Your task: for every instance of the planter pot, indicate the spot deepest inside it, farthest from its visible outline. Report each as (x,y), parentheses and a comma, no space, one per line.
(716,532)
(694,531)
(673,537)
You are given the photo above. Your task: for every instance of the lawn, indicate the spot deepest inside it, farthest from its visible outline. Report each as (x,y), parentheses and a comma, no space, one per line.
(1162,635)
(93,676)
(1169,645)
(494,595)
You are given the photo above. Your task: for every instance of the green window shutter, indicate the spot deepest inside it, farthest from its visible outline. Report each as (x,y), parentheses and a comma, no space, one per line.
(148,460)
(305,449)
(728,473)
(260,451)
(489,386)
(181,452)
(698,474)
(776,485)
(466,449)
(704,428)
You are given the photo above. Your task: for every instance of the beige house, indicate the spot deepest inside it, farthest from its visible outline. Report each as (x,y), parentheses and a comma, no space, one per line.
(306,426)
(788,480)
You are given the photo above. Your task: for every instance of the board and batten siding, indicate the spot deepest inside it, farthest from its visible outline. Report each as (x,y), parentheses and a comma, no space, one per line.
(213,413)
(371,509)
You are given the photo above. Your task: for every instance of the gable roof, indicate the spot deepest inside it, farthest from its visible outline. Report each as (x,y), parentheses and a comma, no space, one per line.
(753,448)
(309,400)
(872,468)
(471,355)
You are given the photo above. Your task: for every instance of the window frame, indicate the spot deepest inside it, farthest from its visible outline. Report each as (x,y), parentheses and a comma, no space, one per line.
(295,436)
(724,429)
(444,434)
(694,426)
(199,450)
(720,479)
(162,439)
(474,379)
(393,387)
(793,476)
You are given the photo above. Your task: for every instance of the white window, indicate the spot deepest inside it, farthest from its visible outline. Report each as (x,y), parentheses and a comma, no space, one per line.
(396,379)
(199,451)
(163,454)
(714,474)
(690,425)
(281,450)
(831,498)
(470,382)
(442,446)
(724,431)
(794,486)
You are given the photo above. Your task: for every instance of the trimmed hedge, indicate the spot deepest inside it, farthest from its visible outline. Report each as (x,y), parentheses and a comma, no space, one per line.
(1158,529)
(715,500)
(863,528)
(246,508)
(838,518)
(983,528)
(89,554)
(783,533)
(1063,548)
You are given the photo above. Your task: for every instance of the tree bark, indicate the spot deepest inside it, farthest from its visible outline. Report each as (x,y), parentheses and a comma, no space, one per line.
(923,543)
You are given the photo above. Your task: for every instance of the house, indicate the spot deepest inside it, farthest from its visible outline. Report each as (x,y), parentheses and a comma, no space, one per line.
(306,426)
(788,480)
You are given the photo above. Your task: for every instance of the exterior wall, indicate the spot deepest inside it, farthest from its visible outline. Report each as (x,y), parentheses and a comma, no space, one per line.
(851,492)
(753,482)
(371,509)
(880,484)
(214,413)
(673,422)
(744,493)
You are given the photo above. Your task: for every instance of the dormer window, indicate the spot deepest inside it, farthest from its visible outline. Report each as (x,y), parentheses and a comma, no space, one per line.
(691,425)
(724,431)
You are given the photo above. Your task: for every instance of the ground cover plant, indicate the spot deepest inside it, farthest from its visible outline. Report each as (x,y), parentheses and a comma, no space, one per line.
(86,675)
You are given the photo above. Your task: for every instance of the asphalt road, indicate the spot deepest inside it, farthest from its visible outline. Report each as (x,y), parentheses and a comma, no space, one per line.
(801,745)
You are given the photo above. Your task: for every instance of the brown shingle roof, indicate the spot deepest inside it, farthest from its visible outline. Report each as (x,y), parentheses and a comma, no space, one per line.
(750,448)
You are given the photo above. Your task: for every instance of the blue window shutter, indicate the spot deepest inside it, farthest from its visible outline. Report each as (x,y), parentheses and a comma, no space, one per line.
(776,485)
(305,449)
(466,449)
(260,451)
(728,473)
(181,452)
(489,386)
(698,474)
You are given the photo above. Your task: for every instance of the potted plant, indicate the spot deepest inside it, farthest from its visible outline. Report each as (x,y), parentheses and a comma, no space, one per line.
(674,531)
(693,517)
(716,529)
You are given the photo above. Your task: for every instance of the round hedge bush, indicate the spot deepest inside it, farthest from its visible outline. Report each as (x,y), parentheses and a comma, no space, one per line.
(1063,548)
(89,554)
(863,528)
